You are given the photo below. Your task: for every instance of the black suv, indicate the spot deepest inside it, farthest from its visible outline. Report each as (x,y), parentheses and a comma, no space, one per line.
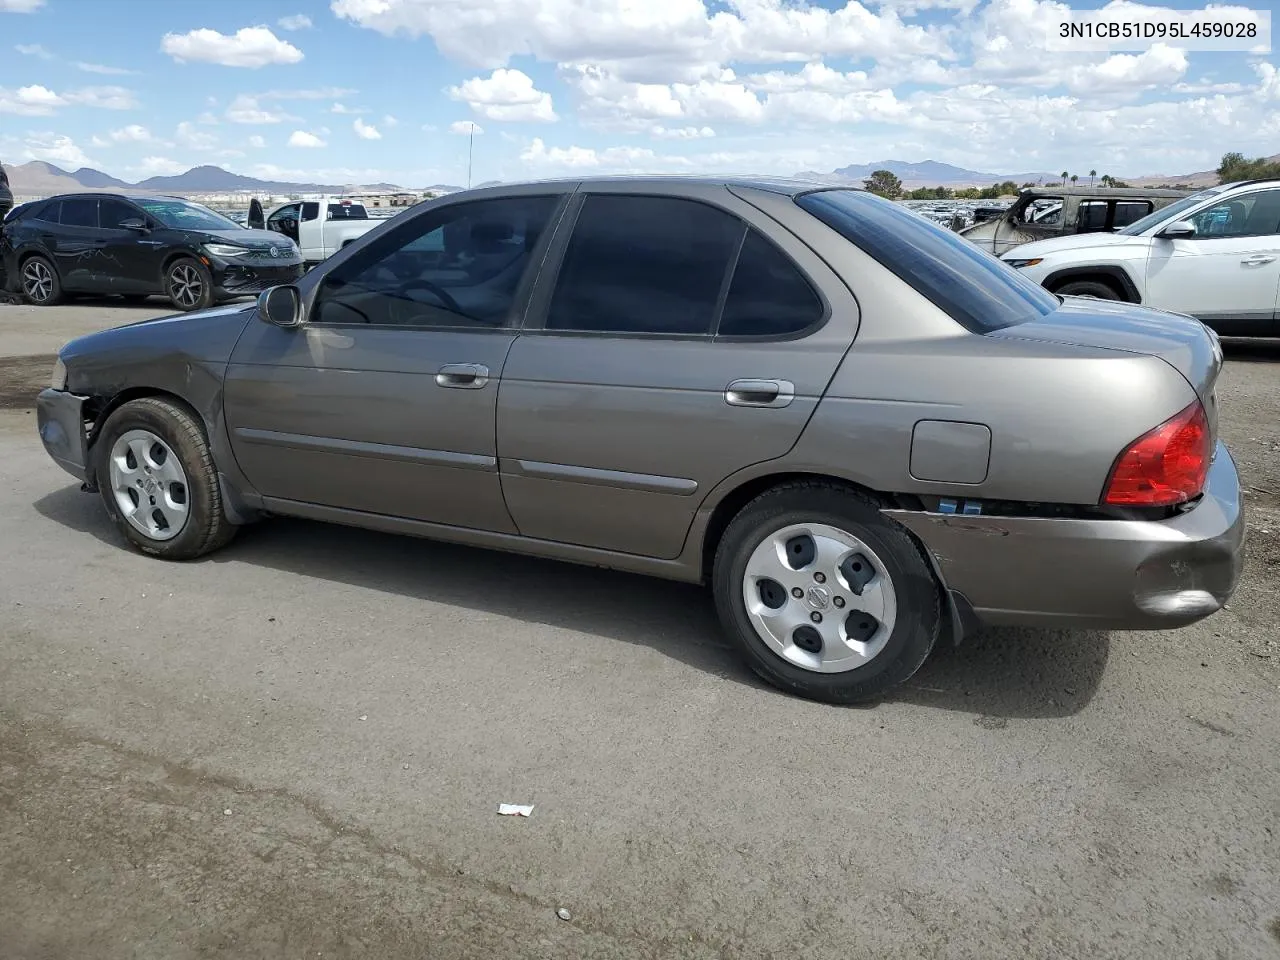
(137,246)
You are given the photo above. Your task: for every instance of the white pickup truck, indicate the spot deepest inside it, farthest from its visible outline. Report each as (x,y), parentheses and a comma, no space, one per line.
(320,227)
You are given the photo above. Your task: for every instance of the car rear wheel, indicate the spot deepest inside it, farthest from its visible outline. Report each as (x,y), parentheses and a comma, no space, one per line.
(1088,288)
(189,285)
(158,482)
(40,284)
(823,596)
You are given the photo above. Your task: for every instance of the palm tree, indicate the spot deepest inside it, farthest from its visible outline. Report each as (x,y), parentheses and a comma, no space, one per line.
(1092,174)
(1074,178)
(1064,178)
(1108,179)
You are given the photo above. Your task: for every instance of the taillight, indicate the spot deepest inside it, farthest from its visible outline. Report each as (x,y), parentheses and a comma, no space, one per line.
(1166,466)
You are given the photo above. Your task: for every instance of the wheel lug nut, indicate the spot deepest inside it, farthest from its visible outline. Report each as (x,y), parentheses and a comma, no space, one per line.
(820,577)
(815,617)
(838,601)
(797,592)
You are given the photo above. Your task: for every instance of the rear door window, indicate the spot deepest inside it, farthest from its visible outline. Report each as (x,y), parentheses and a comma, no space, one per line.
(111,213)
(1130,211)
(769,296)
(644,265)
(79,212)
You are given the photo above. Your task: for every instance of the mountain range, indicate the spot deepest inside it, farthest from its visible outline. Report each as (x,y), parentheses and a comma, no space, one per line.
(39,178)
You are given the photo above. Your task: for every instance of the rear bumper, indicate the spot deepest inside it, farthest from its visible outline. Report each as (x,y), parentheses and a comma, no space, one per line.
(1094,574)
(61,424)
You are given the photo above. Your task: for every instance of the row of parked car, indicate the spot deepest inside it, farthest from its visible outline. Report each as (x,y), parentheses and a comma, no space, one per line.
(1213,254)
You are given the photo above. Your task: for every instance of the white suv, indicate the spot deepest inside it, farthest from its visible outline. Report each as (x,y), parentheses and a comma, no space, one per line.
(1214,255)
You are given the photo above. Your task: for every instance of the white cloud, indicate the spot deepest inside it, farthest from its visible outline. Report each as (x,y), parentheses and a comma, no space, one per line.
(306,93)
(247,109)
(389,121)
(680,133)
(249,47)
(301,138)
(32,101)
(104,71)
(20,6)
(365,131)
(55,148)
(257,142)
(299,21)
(193,138)
(344,109)
(98,142)
(505,95)
(33,50)
(103,98)
(133,133)
(465,128)
(159,167)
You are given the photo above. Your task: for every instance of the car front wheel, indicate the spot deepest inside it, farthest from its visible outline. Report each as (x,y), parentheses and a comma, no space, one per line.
(189,285)
(823,596)
(157,480)
(1088,288)
(40,284)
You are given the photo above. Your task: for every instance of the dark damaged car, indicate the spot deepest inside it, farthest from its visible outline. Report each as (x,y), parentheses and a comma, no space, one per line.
(139,246)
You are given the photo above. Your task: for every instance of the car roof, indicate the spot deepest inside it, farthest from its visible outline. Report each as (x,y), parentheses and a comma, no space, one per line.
(788,186)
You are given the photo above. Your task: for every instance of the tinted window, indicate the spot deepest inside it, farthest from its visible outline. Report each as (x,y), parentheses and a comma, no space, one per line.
(310,210)
(79,212)
(1130,211)
(975,288)
(112,212)
(460,266)
(769,296)
(350,211)
(1252,215)
(644,265)
(1092,216)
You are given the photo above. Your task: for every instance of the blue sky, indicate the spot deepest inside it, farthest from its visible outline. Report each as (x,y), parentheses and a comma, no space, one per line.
(364,90)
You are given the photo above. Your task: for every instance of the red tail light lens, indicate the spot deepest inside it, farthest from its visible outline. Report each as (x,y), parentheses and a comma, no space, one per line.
(1166,466)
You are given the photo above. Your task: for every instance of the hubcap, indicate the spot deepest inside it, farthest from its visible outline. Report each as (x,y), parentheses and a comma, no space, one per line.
(37,281)
(185,285)
(149,485)
(819,597)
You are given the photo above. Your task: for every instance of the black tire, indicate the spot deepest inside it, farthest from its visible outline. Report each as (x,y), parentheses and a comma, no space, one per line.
(34,292)
(1089,288)
(919,610)
(178,283)
(207,527)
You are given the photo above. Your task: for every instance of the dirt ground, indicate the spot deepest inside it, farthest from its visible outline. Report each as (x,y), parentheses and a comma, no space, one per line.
(296,748)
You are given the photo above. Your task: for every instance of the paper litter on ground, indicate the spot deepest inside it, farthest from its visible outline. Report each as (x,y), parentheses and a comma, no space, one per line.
(514,810)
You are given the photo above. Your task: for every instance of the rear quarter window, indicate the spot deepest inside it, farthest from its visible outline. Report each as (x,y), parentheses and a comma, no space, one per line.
(978,291)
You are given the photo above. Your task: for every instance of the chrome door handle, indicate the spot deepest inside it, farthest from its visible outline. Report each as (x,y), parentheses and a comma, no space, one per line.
(1257,260)
(760,393)
(463,376)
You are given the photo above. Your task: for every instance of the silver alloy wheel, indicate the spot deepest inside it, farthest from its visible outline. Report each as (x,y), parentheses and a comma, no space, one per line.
(186,285)
(37,281)
(149,485)
(819,597)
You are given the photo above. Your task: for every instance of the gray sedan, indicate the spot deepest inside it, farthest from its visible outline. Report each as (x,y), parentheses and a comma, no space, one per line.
(864,433)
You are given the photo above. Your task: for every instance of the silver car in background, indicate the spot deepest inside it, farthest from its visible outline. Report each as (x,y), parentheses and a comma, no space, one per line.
(860,430)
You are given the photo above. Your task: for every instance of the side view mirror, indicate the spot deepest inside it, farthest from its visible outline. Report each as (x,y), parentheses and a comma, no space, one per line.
(1179,229)
(135,223)
(281,305)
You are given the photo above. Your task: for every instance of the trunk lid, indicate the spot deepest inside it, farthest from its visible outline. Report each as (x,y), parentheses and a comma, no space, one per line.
(1181,341)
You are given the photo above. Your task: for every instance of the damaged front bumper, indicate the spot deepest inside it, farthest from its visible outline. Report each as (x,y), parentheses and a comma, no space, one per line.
(1094,574)
(60,419)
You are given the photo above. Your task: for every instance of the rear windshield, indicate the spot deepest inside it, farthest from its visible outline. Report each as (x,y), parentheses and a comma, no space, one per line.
(350,211)
(975,288)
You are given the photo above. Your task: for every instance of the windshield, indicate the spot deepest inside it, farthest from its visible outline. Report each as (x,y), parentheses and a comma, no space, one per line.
(1168,213)
(184,215)
(973,287)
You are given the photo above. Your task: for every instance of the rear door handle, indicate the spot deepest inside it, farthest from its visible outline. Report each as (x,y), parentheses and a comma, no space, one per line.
(760,393)
(463,376)
(1257,260)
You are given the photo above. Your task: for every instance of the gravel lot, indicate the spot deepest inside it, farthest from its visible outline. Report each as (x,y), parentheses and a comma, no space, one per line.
(297,748)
